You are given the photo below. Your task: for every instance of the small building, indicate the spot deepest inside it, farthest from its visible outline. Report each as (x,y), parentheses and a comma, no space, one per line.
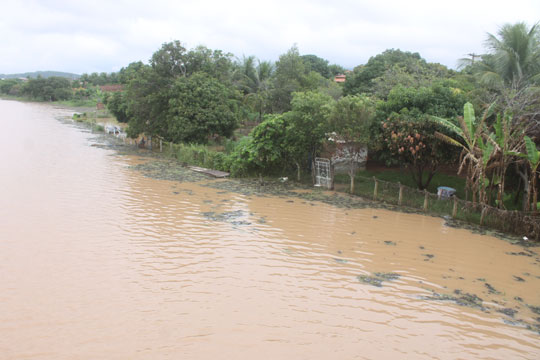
(342,153)
(340,78)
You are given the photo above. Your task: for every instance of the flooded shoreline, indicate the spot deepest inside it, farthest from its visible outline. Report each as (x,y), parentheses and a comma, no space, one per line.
(102,260)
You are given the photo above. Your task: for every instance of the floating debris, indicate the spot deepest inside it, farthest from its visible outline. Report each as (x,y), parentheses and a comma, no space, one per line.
(378,278)
(428,256)
(341,261)
(518,278)
(508,311)
(168,170)
(388,242)
(534,309)
(460,298)
(491,289)
(230,217)
(521,253)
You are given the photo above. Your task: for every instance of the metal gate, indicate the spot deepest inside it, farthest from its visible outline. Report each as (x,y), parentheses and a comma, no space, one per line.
(323,177)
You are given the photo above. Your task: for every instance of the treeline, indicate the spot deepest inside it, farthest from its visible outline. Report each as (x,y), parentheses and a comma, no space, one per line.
(200,95)
(43,89)
(406,110)
(52,88)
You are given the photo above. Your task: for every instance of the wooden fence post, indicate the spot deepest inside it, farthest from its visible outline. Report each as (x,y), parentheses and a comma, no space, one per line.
(454,210)
(160,145)
(400,198)
(426,195)
(482,215)
(376,188)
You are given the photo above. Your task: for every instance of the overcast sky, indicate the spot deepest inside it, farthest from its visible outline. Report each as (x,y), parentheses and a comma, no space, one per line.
(105,35)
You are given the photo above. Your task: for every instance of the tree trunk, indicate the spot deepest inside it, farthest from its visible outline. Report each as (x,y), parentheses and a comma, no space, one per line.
(526,187)
(297,171)
(313,171)
(352,173)
(535,193)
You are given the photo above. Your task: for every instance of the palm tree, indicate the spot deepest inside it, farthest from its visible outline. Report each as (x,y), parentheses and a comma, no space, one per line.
(254,82)
(514,57)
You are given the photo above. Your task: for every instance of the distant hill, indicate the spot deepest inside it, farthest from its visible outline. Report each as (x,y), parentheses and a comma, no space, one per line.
(44,74)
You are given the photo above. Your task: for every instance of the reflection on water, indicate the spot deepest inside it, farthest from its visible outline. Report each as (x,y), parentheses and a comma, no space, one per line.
(97,261)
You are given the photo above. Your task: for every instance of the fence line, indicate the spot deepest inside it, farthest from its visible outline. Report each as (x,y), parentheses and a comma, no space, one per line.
(510,221)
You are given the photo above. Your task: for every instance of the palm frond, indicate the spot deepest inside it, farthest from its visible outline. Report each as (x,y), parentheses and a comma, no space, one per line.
(448,139)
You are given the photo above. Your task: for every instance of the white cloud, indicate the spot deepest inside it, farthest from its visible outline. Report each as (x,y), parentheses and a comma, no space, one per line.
(104,35)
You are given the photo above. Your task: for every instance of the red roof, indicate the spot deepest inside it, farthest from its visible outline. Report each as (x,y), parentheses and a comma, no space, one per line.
(340,78)
(111,88)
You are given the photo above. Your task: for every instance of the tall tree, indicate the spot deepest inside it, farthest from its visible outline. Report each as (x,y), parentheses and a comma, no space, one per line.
(350,120)
(252,78)
(308,125)
(200,106)
(170,60)
(409,67)
(291,76)
(317,64)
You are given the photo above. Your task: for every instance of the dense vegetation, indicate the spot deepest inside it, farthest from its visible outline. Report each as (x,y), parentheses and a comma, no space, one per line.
(409,112)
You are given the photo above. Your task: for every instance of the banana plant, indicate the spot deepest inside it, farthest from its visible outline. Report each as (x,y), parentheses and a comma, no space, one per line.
(474,150)
(507,140)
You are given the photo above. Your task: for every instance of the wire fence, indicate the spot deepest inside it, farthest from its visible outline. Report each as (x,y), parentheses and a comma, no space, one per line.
(510,221)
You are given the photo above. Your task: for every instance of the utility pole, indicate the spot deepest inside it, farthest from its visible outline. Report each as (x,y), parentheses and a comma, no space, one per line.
(473,56)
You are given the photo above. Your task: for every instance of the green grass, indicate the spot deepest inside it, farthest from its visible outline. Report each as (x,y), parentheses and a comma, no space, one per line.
(78,103)
(403,177)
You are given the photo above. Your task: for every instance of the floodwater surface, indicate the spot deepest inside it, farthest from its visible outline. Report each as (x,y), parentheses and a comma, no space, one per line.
(98,261)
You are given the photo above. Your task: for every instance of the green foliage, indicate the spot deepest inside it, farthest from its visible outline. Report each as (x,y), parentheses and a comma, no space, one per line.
(291,76)
(335,69)
(169,60)
(254,83)
(514,58)
(390,68)
(533,155)
(182,96)
(95,79)
(435,100)
(147,97)
(117,105)
(308,124)
(351,118)
(201,155)
(200,106)
(317,64)
(49,89)
(8,86)
(241,158)
(125,75)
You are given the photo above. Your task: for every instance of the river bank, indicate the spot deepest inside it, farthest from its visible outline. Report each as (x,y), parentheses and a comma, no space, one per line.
(105,260)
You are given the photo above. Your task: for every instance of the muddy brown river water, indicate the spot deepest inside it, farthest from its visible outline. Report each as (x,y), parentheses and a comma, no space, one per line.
(98,261)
